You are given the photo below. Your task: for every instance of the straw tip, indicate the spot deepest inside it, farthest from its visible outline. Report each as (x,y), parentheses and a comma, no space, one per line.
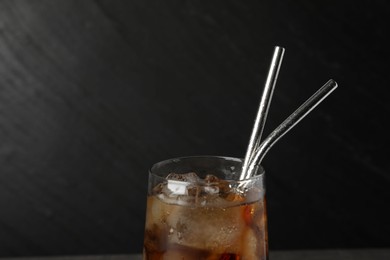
(279,47)
(332,83)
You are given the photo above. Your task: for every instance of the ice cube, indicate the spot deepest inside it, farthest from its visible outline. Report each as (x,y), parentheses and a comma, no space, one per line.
(208,228)
(234,197)
(211,179)
(191,177)
(211,185)
(177,187)
(211,190)
(181,184)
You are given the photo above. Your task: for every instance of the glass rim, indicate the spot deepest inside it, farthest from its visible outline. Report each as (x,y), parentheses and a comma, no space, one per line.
(260,169)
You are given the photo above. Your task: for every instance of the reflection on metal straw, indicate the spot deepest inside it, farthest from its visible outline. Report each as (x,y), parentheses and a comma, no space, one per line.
(290,122)
(265,101)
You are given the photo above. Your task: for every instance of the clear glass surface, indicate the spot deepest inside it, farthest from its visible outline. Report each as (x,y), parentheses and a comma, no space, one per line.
(197,208)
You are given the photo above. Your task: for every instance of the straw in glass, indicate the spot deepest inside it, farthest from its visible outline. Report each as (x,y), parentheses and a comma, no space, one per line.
(262,112)
(289,123)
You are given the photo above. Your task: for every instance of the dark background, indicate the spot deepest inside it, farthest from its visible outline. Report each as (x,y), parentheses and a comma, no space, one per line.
(94,92)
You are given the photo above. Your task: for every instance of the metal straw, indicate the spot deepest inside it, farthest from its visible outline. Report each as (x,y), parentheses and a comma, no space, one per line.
(262,112)
(290,122)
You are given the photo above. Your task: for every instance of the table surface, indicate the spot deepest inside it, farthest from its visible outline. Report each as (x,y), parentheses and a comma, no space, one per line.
(334,254)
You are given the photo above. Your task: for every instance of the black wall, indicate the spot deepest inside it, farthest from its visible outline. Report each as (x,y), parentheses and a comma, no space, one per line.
(94,92)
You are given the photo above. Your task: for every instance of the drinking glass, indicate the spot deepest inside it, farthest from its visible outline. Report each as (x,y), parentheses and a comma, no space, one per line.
(197,208)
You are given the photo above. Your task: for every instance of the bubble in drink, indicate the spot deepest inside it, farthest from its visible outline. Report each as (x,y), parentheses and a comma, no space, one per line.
(193,218)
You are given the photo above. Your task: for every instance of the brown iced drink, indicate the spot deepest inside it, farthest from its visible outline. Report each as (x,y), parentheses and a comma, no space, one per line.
(192,218)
